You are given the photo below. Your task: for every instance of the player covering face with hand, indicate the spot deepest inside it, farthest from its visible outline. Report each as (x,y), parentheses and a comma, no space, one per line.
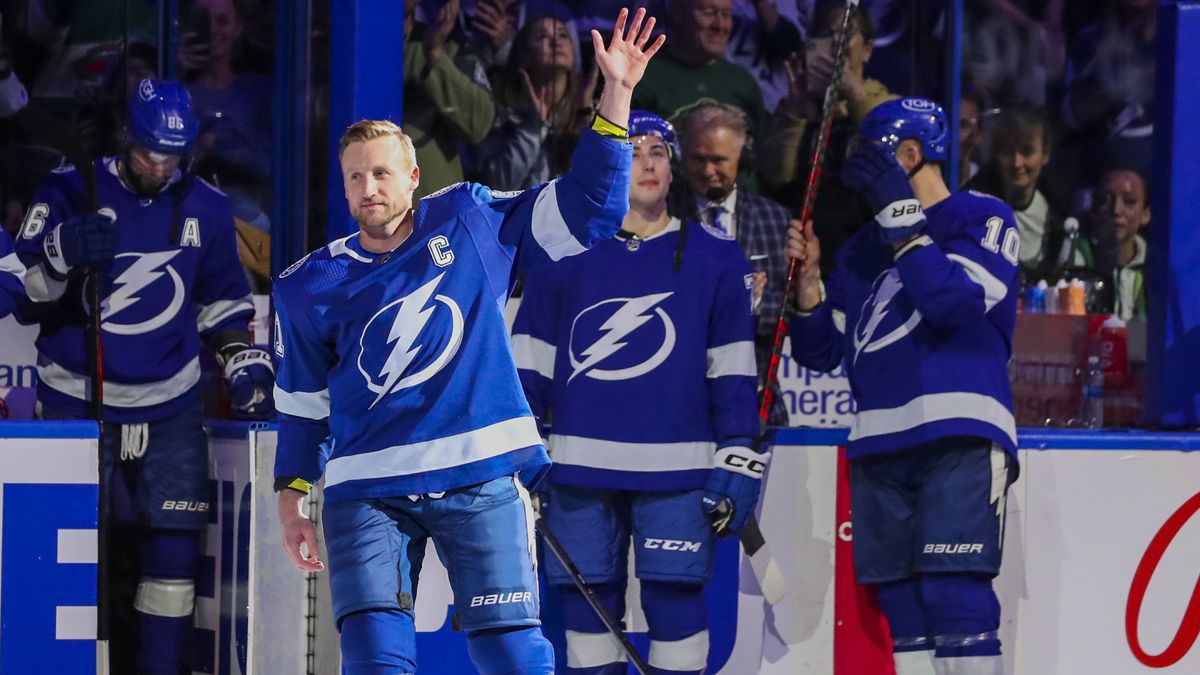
(641,351)
(392,341)
(920,310)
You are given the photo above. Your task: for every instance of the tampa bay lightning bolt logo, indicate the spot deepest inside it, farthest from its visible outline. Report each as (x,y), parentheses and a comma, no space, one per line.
(406,331)
(144,297)
(887,315)
(624,317)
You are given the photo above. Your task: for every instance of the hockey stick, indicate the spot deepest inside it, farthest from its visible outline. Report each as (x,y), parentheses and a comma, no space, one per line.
(810,198)
(61,136)
(770,579)
(615,629)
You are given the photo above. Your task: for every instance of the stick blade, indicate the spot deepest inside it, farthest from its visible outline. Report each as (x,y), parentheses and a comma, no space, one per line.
(766,570)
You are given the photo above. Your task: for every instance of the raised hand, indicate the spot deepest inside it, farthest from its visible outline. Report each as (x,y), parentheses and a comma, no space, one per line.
(624,61)
(491,20)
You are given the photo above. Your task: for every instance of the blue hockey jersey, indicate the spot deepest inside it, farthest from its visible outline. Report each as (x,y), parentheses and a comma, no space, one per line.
(12,275)
(925,340)
(644,371)
(160,295)
(404,357)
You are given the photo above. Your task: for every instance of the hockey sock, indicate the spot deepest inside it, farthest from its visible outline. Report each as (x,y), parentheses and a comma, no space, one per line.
(912,648)
(514,650)
(677,617)
(591,650)
(378,642)
(964,614)
(165,598)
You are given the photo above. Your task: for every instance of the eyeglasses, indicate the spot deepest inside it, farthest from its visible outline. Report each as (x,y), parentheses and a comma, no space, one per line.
(711,13)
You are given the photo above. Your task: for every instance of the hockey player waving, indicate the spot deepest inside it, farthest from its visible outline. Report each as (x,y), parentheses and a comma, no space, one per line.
(920,309)
(164,243)
(642,352)
(393,341)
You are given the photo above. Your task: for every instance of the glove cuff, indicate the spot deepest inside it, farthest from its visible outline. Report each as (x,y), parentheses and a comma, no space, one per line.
(743,460)
(901,215)
(52,248)
(247,358)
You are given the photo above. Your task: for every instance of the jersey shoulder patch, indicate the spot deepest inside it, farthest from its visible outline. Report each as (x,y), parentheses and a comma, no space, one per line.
(715,232)
(294,266)
(444,190)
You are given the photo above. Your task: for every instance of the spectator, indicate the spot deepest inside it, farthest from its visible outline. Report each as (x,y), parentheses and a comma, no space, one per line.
(970,134)
(694,67)
(761,41)
(1109,104)
(447,102)
(490,25)
(1020,151)
(1120,210)
(539,110)
(1014,48)
(785,157)
(713,137)
(234,109)
(13,96)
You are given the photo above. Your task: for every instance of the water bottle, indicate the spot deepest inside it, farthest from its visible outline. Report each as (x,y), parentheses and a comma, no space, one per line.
(1091,402)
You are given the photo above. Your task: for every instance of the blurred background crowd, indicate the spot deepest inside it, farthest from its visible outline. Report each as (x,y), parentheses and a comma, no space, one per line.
(1055,116)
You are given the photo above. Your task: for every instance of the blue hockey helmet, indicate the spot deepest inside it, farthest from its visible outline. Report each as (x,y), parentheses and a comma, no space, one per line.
(161,117)
(917,118)
(642,123)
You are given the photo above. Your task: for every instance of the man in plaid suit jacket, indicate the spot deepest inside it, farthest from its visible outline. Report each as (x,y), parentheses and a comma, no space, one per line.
(714,137)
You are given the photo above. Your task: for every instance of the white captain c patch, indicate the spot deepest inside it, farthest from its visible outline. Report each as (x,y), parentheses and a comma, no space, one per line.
(439,248)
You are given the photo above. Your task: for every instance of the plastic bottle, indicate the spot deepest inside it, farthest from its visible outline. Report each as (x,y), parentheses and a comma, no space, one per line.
(1091,400)
(1051,300)
(1114,346)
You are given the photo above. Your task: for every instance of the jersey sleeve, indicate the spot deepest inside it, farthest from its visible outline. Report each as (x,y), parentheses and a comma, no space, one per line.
(57,200)
(732,373)
(12,275)
(535,338)
(221,294)
(818,338)
(304,360)
(970,272)
(566,216)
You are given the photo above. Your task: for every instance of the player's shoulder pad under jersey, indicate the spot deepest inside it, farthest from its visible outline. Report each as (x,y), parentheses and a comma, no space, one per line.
(200,181)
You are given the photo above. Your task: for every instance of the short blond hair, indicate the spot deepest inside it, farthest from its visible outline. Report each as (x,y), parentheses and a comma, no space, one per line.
(368,130)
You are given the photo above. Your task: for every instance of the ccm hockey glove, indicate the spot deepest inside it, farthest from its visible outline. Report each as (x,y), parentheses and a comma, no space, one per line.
(251,384)
(732,490)
(874,172)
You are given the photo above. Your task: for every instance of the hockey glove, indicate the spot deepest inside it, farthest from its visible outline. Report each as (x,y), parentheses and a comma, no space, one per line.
(874,172)
(251,384)
(732,490)
(85,239)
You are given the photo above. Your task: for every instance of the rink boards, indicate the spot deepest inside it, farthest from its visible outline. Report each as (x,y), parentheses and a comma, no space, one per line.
(1102,561)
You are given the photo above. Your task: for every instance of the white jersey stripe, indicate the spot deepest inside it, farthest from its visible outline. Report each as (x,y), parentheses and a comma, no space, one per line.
(550,228)
(620,456)
(735,358)
(13,266)
(313,405)
(934,408)
(533,354)
(219,311)
(434,455)
(120,395)
(994,290)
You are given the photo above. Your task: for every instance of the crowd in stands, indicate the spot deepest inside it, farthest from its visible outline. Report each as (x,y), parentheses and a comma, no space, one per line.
(1055,118)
